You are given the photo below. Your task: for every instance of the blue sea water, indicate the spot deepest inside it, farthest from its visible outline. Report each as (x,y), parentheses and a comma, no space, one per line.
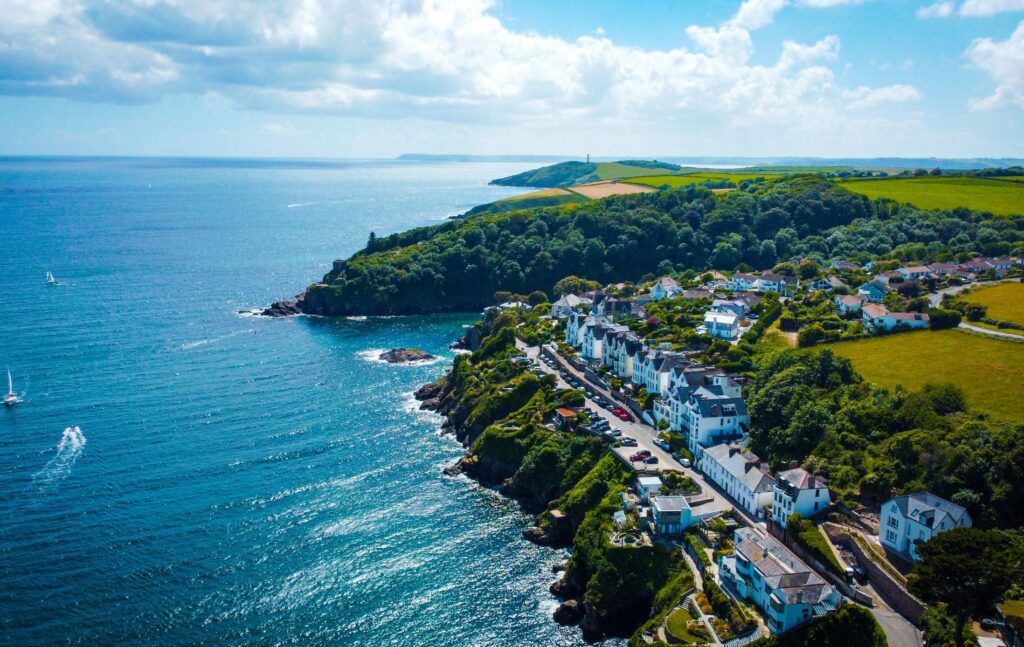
(237,480)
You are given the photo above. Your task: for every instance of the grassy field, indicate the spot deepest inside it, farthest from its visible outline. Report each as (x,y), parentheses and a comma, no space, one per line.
(616,171)
(533,195)
(989,371)
(600,190)
(1003,302)
(675,181)
(996,196)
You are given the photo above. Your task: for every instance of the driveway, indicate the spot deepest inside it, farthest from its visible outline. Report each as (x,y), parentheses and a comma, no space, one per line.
(935,300)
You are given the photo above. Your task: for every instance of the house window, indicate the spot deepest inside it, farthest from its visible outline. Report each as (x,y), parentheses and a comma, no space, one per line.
(890,536)
(894,522)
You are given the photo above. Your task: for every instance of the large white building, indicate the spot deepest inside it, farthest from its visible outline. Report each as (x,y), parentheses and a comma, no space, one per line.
(762,570)
(798,491)
(721,325)
(742,474)
(912,519)
(654,369)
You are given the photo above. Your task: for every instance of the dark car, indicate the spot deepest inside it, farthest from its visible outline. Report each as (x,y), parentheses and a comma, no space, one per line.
(627,441)
(651,460)
(641,455)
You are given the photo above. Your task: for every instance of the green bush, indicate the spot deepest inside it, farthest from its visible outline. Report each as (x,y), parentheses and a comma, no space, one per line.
(807,535)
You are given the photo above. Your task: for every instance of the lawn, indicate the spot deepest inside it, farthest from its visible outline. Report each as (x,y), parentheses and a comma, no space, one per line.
(990,371)
(676,624)
(675,181)
(995,196)
(1003,301)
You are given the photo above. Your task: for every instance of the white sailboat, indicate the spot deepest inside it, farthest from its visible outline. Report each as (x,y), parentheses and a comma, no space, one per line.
(11,398)
(50,280)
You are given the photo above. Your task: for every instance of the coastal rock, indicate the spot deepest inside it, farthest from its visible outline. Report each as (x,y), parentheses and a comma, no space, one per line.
(454,469)
(536,535)
(558,568)
(405,355)
(433,404)
(428,391)
(283,309)
(569,612)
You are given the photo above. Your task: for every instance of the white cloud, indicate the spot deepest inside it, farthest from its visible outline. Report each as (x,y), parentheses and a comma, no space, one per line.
(1003,61)
(434,59)
(937,10)
(990,7)
(867,97)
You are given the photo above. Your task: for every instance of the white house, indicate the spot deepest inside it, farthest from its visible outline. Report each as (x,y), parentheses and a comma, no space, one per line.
(594,336)
(915,273)
(848,304)
(908,521)
(621,348)
(654,369)
(672,515)
(771,282)
(740,473)
(709,415)
(646,486)
(735,306)
(665,287)
(878,318)
(574,326)
(721,325)
(762,570)
(566,304)
(828,283)
(742,282)
(798,491)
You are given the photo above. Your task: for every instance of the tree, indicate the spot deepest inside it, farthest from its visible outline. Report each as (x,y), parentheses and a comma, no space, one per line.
(575,285)
(536,298)
(940,318)
(967,569)
(371,243)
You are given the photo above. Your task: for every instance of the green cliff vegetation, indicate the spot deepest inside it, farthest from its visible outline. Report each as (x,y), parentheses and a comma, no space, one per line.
(814,408)
(573,173)
(459,265)
(851,626)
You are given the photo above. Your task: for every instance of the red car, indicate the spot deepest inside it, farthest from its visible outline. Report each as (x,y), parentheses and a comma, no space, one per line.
(618,411)
(641,455)
(624,417)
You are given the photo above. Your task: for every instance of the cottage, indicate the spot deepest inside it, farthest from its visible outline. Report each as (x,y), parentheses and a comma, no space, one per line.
(742,474)
(735,306)
(797,491)
(566,304)
(908,521)
(742,282)
(771,282)
(873,291)
(889,278)
(844,266)
(721,325)
(664,288)
(828,283)
(762,570)
(564,415)
(878,318)
(915,273)
(848,304)
(945,269)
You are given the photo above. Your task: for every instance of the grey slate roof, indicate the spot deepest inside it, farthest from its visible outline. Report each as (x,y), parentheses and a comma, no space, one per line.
(929,509)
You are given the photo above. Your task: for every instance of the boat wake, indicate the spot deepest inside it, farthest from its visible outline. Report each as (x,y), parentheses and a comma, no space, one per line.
(202,342)
(70,447)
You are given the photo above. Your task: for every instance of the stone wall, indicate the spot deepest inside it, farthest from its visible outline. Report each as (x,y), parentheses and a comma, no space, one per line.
(895,594)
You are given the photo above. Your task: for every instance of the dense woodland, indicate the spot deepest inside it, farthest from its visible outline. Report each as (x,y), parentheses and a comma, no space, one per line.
(459,265)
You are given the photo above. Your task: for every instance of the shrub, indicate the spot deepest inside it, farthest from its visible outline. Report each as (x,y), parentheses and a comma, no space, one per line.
(807,535)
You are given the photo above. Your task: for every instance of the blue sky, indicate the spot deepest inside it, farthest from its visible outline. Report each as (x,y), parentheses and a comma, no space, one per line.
(347,78)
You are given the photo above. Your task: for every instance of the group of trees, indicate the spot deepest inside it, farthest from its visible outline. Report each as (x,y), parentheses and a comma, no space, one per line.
(814,408)
(459,265)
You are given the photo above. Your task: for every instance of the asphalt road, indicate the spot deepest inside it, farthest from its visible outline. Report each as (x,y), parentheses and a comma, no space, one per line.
(644,434)
(936,301)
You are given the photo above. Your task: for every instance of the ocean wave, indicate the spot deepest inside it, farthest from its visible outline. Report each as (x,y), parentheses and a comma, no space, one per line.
(296,205)
(70,447)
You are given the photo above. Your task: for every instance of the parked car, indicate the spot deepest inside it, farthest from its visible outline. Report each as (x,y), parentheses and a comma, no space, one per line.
(589,393)
(616,432)
(651,460)
(617,410)
(663,445)
(643,454)
(627,441)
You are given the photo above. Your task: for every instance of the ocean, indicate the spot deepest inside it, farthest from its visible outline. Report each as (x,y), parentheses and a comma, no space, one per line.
(237,480)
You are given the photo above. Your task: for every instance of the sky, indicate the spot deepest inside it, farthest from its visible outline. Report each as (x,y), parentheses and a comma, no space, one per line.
(629,78)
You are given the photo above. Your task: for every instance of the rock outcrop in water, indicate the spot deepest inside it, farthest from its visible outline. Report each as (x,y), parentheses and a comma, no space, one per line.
(284,308)
(405,355)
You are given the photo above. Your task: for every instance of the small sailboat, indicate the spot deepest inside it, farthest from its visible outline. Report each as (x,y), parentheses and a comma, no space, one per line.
(11,398)
(50,280)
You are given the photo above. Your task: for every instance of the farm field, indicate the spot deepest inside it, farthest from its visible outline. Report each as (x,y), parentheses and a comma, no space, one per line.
(995,196)
(989,371)
(675,181)
(606,189)
(616,171)
(1003,302)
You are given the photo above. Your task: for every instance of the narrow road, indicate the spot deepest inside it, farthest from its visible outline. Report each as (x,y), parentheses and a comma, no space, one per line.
(935,300)
(644,434)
